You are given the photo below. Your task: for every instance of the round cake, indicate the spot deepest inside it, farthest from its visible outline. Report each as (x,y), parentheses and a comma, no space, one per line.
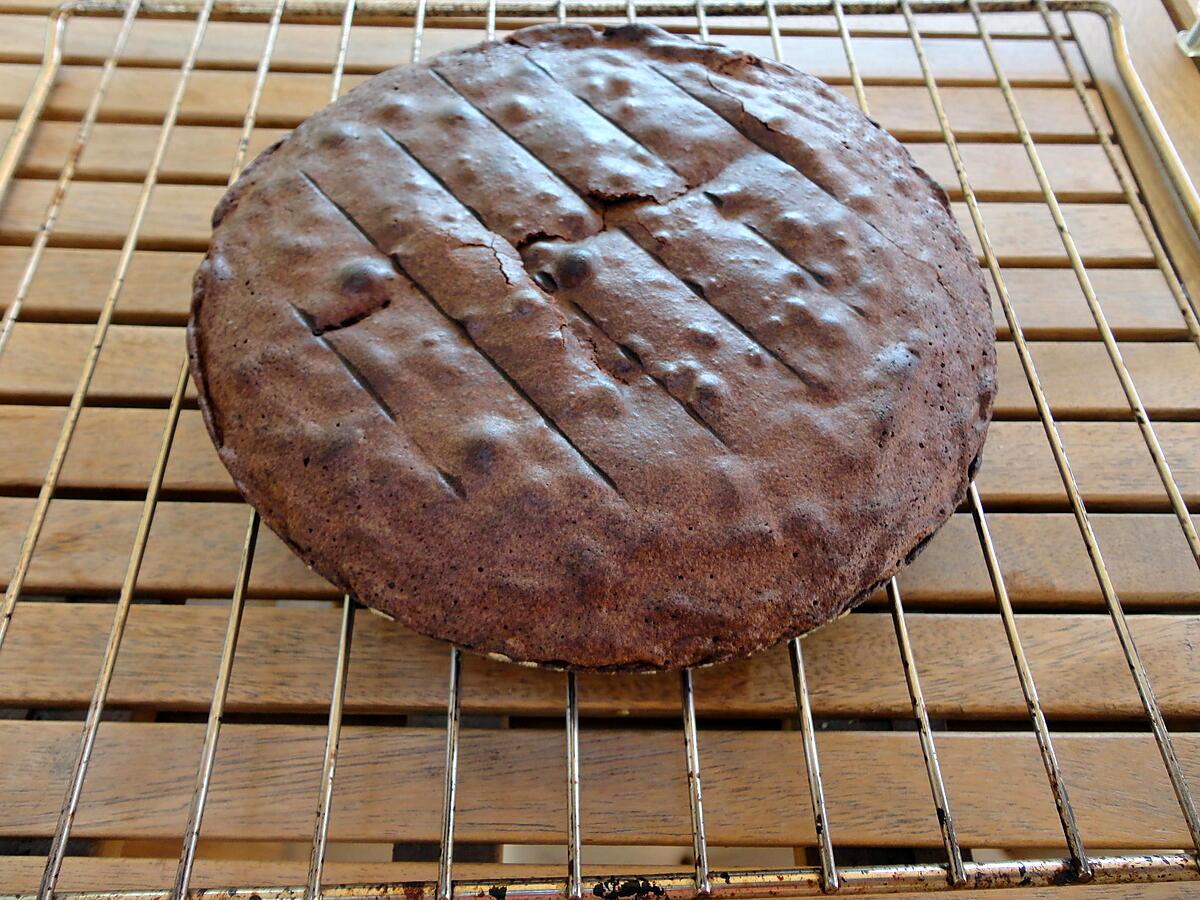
(599,349)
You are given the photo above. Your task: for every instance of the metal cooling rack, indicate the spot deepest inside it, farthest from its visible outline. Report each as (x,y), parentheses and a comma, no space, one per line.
(829,877)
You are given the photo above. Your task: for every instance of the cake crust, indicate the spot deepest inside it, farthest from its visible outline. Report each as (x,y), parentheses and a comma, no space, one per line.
(600,349)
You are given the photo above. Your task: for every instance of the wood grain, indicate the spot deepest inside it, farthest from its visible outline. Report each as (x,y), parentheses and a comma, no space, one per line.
(307,47)
(1110,460)
(203,154)
(70,285)
(139,365)
(390,779)
(23,874)
(635,791)
(194,550)
(217,97)
(1014,24)
(98,214)
(286,656)
(20,874)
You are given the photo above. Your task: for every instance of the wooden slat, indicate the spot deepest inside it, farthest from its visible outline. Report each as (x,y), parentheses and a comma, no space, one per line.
(85,544)
(71,283)
(1110,460)
(140,364)
(98,214)
(313,47)
(892,60)
(199,154)
(202,154)
(169,659)
(23,874)
(1078,172)
(1024,234)
(220,97)
(1113,468)
(28,435)
(389,785)
(194,550)
(978,114)
(1050,304)
(1079,380)
(1014,24)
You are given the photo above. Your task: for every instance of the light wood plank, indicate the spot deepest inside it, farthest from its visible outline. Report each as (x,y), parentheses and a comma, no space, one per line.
(1078,172)
(892,60)
(203,154)
(195,547)
(1050,304)
(169,659)
(197,154)
(1079,380)
(42,363)
(1110,460)
(99,214)
(978,114)
(85,545)
(1024,234)
(1015,24)
(140,363)
(220,98)
(313,47)
(389,785)
(28,435)
(22,874)
(71,283)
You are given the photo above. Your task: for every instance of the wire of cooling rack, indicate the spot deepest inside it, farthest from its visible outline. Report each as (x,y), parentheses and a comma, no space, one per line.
(7,169)
(937,786)
(828,877)
(1178,780)
(92,721)
(1145,690)
(1050,762)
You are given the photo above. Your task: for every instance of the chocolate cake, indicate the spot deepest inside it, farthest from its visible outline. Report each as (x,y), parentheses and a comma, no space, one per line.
(596,349)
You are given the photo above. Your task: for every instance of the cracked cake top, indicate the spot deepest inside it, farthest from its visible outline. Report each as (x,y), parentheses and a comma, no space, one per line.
(600,349)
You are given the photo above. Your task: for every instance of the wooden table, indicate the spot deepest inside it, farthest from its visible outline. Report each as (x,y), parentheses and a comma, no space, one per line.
(511,786)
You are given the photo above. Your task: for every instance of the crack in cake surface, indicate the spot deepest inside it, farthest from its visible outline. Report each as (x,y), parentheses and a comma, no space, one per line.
(465,331)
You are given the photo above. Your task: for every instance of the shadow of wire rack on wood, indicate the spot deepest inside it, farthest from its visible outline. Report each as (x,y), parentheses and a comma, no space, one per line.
(979,18)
